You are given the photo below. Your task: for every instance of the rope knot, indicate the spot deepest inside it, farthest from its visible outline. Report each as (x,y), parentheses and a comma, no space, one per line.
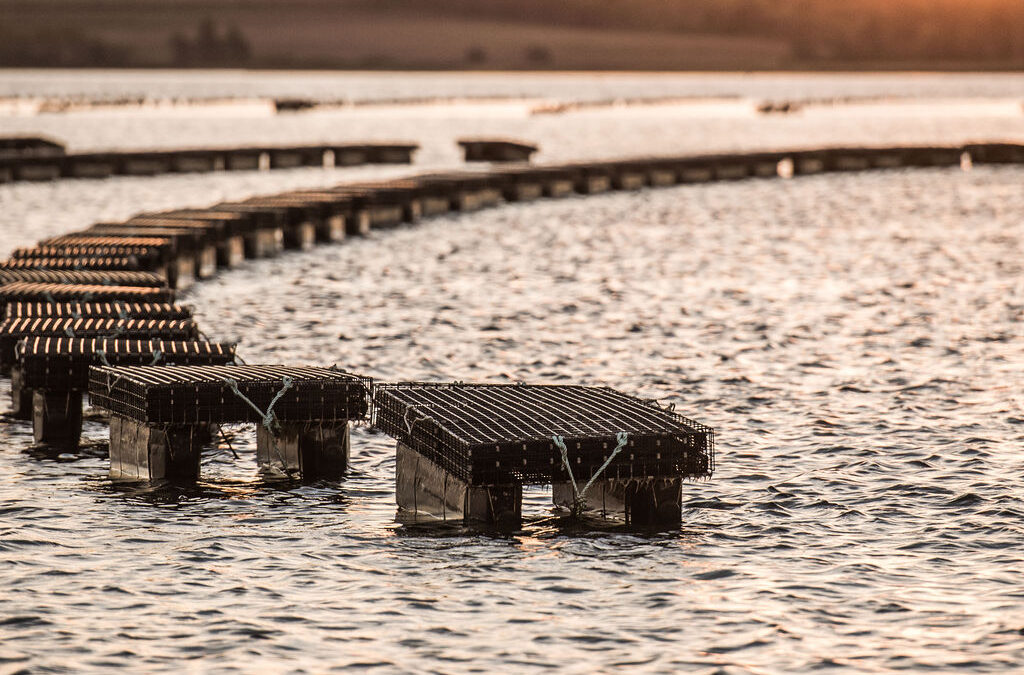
(579,502)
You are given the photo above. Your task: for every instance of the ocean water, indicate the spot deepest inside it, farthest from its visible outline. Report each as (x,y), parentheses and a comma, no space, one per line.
(855,339)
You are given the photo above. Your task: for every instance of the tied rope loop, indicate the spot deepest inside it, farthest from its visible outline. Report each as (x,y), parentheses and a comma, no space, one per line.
(579,502)
(102,353)
(270,422)
(269,418)
(410,425)
(157,357)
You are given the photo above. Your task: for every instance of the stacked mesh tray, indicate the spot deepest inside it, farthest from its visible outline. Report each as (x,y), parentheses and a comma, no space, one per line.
(85,310)
(181,239)
(73,263)
(56,293)
(493,434)
(188,395)
(62,364)
(98,278)
(148,255)
(139,247)
(14,330)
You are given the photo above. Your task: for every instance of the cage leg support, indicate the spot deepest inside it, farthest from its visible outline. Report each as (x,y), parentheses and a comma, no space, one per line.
(301,236)
(21,398)
(231,252)
(57,418)
(264,243)
(423,488)
(206,262)
(310,450)
(331,229)
(142,452)
(641,502)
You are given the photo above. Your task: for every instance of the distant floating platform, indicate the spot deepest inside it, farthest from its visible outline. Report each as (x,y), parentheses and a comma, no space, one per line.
(39,159)
(496,150)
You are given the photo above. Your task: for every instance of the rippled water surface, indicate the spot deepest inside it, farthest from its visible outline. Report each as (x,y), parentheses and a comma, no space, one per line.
(855,339)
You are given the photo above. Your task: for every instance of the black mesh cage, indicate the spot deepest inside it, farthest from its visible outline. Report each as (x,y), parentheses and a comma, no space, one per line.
(122,310)
(62,363)
(493,434)
(25,291)
(127,263)
(197,394)
(95,277)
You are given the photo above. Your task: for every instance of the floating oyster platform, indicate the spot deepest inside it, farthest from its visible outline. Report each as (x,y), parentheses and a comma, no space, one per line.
(51,374)
(160,415)
(465,451)
(496,150)
(39,159)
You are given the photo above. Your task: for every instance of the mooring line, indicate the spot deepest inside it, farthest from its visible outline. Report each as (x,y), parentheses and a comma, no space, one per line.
(269,418)
(579,504)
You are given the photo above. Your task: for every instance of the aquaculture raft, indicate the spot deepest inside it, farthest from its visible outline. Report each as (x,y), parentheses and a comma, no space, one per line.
(160,415)
(14,330)
(85,310)
(62,363)
(503,436)
(20,292)
(496,150)
(51,373)
(94,277)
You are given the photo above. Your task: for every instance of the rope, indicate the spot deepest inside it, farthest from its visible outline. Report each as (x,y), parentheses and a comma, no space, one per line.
(578,502)
(405,418)
(102,353)
(270,422)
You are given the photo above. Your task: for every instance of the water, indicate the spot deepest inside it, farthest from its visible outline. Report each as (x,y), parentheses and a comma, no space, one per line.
(855,339)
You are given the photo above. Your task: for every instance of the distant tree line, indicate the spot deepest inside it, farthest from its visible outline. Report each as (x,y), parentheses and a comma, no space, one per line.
(211,47)
(817,30)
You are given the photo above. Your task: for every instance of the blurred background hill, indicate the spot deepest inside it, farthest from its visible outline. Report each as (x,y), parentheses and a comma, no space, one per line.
(515,34)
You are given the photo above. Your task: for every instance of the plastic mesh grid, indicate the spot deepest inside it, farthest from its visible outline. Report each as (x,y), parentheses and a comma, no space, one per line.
(16,329)
(100,278)
(73,263)
(61,363)
(43,292)
(487,434)
(125,245)
(196,394)
(183,239)
(123,310)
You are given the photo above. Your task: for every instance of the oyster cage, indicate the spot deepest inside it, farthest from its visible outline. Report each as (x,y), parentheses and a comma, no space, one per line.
(14,330)
(85,310)
(497,433)
(26,291)
(188,395)
(127,263)
(62,364)
(92,277)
